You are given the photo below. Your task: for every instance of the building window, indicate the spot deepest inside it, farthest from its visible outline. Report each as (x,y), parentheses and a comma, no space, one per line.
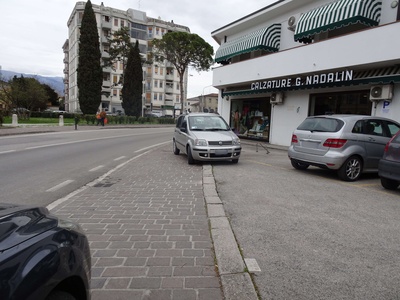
(161,71)
(157,31)
(355,102)
(156,69)
(155,96)
(115,22)
(107,18)
(115,79)
(156,83)
(114,92)
(161,84)
(122,23)
(160,97)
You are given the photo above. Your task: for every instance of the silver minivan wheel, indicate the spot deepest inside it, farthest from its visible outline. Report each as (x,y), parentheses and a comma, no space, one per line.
(191,161)
(174,148)
(351,169)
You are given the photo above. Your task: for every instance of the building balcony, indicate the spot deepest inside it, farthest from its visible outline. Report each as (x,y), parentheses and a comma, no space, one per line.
(105,98)
(105,54)
(106,25)
(169,76)
(168,102)
(104,39)
(107,69)
(106,83)
(169,97)
(169,89)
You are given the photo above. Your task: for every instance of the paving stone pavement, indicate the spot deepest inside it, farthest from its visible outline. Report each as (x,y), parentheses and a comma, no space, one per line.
(148,230)
(157,228)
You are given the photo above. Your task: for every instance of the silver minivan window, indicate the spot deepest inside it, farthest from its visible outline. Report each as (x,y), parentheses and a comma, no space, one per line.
(321,124)
(207,123)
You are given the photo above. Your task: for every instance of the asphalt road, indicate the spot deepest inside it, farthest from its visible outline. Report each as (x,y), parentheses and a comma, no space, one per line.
(40,168)
(312,235)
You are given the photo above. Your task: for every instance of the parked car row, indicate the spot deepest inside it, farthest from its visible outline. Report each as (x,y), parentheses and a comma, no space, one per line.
(349,144)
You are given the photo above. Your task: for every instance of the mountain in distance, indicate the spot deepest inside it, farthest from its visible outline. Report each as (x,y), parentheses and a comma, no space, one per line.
(56,83)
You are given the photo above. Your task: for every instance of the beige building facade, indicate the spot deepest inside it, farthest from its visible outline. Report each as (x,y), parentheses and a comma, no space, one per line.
(161,94)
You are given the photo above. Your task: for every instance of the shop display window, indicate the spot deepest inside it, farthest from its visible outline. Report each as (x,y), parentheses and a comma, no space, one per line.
(251,118)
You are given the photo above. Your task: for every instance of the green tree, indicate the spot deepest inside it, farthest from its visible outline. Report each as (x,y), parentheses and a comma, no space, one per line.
(120,45)
(90,73)
(21,92)
(132,89)
(183,50)
(52,96)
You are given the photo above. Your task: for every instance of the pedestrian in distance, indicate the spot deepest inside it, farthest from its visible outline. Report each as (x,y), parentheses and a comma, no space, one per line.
(98,118)
(103,116)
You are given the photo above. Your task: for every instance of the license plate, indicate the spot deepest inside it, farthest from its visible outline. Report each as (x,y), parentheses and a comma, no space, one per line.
(221,151)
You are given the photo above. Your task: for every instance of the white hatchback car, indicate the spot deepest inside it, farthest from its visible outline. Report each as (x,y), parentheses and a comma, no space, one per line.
(205,137)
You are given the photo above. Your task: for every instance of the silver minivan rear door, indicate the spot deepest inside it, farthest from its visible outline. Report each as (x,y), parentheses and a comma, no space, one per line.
(375,139)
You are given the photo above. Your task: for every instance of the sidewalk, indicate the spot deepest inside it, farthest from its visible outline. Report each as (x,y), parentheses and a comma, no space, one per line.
(149,232)
(157,230)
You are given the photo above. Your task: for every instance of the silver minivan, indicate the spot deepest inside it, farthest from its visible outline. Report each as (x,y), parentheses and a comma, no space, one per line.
(205,137)
(349,144)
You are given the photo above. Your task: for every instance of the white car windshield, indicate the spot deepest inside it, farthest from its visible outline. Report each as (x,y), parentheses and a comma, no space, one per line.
(207,123)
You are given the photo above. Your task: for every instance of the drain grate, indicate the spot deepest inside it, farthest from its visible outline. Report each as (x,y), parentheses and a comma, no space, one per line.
(106,183)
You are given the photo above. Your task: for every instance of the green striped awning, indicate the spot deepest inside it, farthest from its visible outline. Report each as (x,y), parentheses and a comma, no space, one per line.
(267,39)
(337,14)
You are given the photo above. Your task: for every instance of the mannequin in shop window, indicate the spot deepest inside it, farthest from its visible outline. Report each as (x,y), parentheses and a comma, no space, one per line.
(236,119)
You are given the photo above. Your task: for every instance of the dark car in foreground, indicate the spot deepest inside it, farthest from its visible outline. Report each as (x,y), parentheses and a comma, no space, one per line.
(205,137)
(42,256)
(389,165)
(348,144)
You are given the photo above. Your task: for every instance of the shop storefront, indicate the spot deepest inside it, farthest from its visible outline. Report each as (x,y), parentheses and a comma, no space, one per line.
(292,60)
(339,92)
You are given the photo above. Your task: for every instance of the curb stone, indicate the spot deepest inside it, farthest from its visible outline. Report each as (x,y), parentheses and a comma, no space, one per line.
(236,283)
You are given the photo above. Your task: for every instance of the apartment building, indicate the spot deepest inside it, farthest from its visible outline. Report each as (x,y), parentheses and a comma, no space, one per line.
(294,59)
(161,92)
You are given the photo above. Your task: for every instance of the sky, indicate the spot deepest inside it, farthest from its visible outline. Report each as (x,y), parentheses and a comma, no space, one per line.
(34,31)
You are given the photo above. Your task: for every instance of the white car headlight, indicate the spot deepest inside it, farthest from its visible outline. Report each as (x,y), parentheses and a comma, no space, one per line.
(198,142)
(236,141)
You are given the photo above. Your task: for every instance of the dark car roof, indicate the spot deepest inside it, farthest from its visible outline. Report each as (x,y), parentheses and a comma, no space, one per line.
(20,223)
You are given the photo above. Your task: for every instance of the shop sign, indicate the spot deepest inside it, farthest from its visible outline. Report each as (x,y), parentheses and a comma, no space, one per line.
(304,81)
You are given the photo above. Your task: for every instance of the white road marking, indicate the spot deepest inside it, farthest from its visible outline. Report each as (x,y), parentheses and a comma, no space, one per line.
(96,168)
(252,265)
(83,141)
(94,182)
(8,151)
(152,146)
(119,158)
(59,186)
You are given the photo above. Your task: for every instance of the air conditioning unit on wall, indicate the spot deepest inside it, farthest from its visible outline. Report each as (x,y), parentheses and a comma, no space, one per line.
(381,92)
(276,98)
(292,23)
